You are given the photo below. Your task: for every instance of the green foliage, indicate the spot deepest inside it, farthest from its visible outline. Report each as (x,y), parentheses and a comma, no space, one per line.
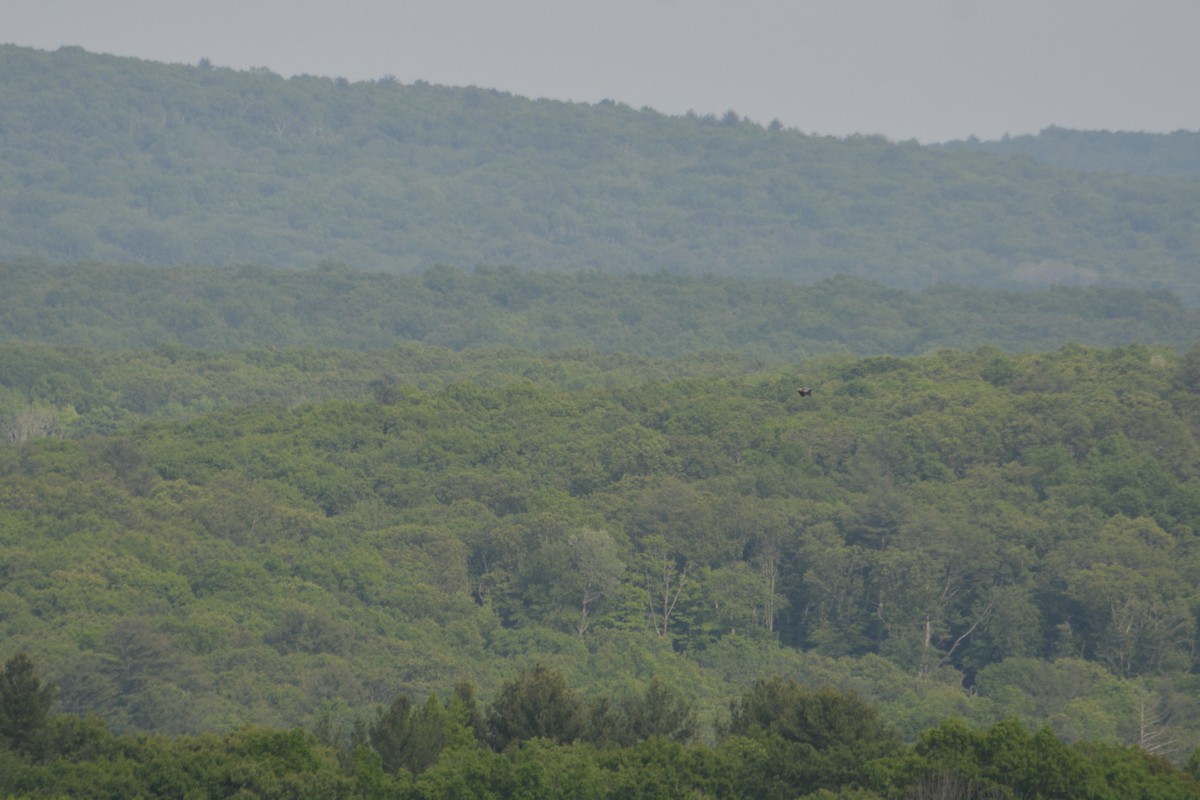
(24,707)
(821,719)
(821,744)
(413,739)
(1007,758)
(660,712)
(535,704)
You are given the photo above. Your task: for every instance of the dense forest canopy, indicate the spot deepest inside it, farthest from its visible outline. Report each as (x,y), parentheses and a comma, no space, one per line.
(960,534)
(118,160)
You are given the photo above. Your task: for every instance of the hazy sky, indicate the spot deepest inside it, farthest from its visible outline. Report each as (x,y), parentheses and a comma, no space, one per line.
(926,69)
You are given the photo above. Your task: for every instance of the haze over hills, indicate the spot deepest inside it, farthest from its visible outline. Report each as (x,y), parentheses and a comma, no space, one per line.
(123,161)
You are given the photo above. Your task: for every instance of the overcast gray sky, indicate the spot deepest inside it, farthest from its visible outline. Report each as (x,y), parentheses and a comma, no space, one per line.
(932,70)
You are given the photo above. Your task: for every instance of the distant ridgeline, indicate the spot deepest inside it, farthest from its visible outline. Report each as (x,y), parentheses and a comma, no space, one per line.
(660,315)
(1164,155)
(117,160)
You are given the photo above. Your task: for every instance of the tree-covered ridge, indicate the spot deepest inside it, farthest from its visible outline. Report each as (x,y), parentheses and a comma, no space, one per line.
(1019,525)
(1174,154)
(118,160)
(660,315)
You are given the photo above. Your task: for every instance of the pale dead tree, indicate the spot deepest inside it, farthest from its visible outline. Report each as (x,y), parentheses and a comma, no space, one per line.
(598,569)
(31,422)
(768,563)
(1151,734)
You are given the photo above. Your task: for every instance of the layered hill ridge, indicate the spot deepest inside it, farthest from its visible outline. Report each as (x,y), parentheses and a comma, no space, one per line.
(119,160)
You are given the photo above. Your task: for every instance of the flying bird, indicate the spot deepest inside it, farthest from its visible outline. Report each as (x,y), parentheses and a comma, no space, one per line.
(804,391)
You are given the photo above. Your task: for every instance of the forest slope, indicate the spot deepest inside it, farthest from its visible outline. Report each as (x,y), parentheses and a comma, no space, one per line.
(119,160)
(1022,525)
(102,306)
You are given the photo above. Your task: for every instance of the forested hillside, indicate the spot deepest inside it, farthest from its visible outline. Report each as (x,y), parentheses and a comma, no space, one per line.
(111,307)
(970,535)
(118,160)
(369,440)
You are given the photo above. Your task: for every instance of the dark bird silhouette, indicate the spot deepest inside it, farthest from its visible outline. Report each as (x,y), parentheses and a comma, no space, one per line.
(804,391)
